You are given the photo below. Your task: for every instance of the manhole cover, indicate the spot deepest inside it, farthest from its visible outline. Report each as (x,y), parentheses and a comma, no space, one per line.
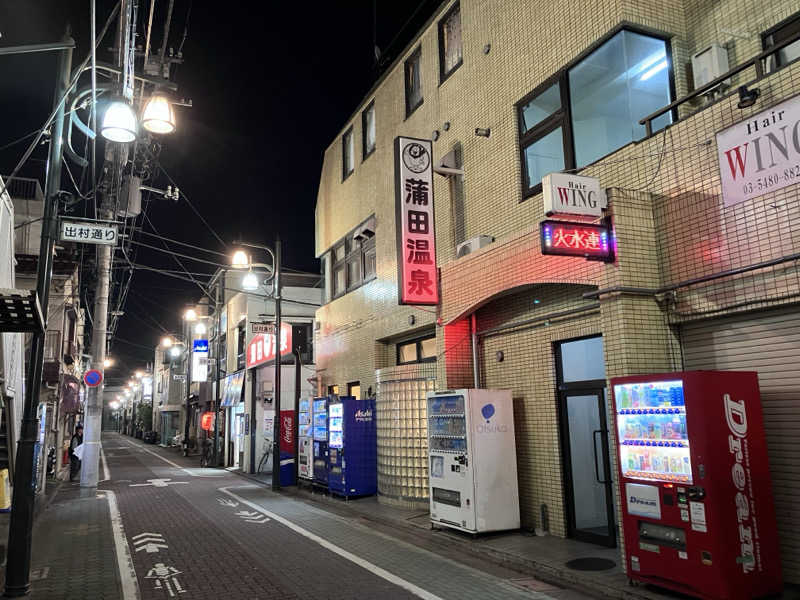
(591,563)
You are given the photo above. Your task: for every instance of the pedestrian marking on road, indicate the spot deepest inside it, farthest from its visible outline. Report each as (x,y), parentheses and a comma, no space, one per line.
(127,574)
(372,568)
(106,472)
(149,542)
(226,502)
(165,578)
(252,517)
(39,574)
(169,462)
(159,483)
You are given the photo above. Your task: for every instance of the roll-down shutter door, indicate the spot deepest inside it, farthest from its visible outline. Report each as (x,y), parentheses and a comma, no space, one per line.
(767,342)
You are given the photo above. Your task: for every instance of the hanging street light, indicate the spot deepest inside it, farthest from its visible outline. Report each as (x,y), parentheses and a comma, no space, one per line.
(250,281)
(190,315)
(240,259)
(200,329)
(166,342)
(119,123)
(175,352)
(108,362)
(158,116)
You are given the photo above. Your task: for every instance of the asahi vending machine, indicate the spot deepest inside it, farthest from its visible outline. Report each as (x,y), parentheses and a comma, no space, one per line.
(697,508)
(472,460)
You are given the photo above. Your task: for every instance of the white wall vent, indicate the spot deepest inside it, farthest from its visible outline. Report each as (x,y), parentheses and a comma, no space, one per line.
(473,244)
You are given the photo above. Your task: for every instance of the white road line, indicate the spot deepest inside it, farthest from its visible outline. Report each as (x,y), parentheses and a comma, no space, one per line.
(127,574)
(364,564)
(168,461)
(106,472)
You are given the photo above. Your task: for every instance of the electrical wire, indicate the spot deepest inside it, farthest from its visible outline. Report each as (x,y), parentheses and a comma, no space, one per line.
(173,241)
(17,141)
(26,155)
(176,254)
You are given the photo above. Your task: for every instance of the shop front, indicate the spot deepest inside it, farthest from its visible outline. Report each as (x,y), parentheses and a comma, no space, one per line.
(234,421)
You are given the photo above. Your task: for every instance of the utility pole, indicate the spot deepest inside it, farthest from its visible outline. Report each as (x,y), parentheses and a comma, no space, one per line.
(116,156)
(276,430)
(218,343)
(188,373)
(18,564)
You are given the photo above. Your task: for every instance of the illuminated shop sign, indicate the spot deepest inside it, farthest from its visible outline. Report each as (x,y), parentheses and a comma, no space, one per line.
(761,154)
(416,247)
(577,239)
(261,348)
(567,194)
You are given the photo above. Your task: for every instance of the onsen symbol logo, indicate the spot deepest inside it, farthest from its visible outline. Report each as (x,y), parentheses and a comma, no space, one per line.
(487,411)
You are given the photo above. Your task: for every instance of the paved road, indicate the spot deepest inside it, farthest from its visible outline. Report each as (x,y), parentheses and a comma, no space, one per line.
(204,533)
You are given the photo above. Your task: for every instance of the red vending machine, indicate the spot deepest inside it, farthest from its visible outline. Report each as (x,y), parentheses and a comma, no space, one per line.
(697,507)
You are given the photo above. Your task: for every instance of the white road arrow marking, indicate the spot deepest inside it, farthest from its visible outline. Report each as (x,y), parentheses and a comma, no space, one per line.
(146,533)
(226,502)
(159,483)
(252,516)
(151,547)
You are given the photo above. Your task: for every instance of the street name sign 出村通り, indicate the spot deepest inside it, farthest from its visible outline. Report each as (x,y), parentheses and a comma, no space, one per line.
(88,232)
(761,154)
(567,194)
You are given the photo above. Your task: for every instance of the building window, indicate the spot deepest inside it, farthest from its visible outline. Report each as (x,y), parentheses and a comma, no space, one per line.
(413,81)
(450,47)
(354,389)
(355,261)
(333,390)
(339,272)
(781,32)
(348,164)
(416,351)
(368,248)
(368,129)
(593,108)
(351,262)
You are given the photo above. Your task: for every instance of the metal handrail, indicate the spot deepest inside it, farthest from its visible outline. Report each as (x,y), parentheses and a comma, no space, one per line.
(756,62)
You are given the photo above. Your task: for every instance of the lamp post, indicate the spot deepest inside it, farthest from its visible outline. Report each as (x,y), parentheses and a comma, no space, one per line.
(248,282)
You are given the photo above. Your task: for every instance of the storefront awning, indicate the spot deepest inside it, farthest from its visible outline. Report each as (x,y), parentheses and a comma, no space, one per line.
(231,392)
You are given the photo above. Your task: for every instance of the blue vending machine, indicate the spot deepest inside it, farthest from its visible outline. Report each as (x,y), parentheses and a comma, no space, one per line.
(352,447)
(320,426)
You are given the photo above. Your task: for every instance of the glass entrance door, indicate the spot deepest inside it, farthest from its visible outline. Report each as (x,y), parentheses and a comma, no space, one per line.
(591,515)
(584,441)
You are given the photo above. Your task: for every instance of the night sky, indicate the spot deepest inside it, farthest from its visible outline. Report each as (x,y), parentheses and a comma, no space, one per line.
(272,84)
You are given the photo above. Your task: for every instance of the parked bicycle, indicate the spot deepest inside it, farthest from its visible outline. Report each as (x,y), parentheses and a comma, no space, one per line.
(265,458)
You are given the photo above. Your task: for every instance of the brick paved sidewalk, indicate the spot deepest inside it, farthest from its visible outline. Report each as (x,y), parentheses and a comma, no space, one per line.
(73,553)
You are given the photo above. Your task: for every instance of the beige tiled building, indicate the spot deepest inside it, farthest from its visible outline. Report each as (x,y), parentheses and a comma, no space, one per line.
(509,91)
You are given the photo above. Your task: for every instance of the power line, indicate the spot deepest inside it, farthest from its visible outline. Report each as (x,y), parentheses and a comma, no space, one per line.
(185,197)
(176,254)
(172,241)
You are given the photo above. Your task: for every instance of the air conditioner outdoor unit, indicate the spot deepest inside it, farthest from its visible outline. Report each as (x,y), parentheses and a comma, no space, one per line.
(709,64)
(473,244)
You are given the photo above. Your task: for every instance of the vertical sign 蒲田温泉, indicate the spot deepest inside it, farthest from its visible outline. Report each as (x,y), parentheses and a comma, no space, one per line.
(761,154)
(416,243)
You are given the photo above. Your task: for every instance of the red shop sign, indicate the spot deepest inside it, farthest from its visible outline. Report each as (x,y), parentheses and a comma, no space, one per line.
(261,348)
(588,240)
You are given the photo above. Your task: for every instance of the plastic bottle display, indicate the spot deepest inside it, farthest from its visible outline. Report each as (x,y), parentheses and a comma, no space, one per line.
(651,421)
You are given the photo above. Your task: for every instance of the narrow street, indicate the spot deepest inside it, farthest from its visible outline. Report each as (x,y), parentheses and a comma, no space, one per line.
(203,533)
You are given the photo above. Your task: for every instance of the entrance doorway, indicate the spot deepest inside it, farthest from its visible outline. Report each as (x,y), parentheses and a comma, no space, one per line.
(588,479)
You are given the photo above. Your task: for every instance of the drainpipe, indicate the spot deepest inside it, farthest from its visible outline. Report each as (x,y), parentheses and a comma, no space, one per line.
(474,330)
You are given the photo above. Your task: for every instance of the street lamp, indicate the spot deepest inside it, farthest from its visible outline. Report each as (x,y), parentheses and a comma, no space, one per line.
(166,342)
(240,259)
(107,362)
(175,352)
(190,315)
(250,281)
(200,329)
(158,116)
(119,123)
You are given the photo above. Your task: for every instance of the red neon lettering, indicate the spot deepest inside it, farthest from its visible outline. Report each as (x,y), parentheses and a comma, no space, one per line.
(741,161)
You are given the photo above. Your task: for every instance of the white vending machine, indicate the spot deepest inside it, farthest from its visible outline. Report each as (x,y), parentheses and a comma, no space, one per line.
(473,460)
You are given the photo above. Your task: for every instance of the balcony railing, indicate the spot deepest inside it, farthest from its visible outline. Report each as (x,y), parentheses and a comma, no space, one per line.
(757,62)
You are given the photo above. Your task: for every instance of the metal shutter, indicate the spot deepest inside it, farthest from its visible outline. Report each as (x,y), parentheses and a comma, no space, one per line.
(767,342)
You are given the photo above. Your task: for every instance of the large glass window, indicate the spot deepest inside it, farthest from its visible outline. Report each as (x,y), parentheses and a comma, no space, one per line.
(450,48)
(593,108)
(413,81)
(783,31)
(348,164)
(368,129)
(624,80)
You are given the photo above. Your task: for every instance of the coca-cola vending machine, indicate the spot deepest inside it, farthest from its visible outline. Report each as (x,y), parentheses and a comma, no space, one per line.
(697,506)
